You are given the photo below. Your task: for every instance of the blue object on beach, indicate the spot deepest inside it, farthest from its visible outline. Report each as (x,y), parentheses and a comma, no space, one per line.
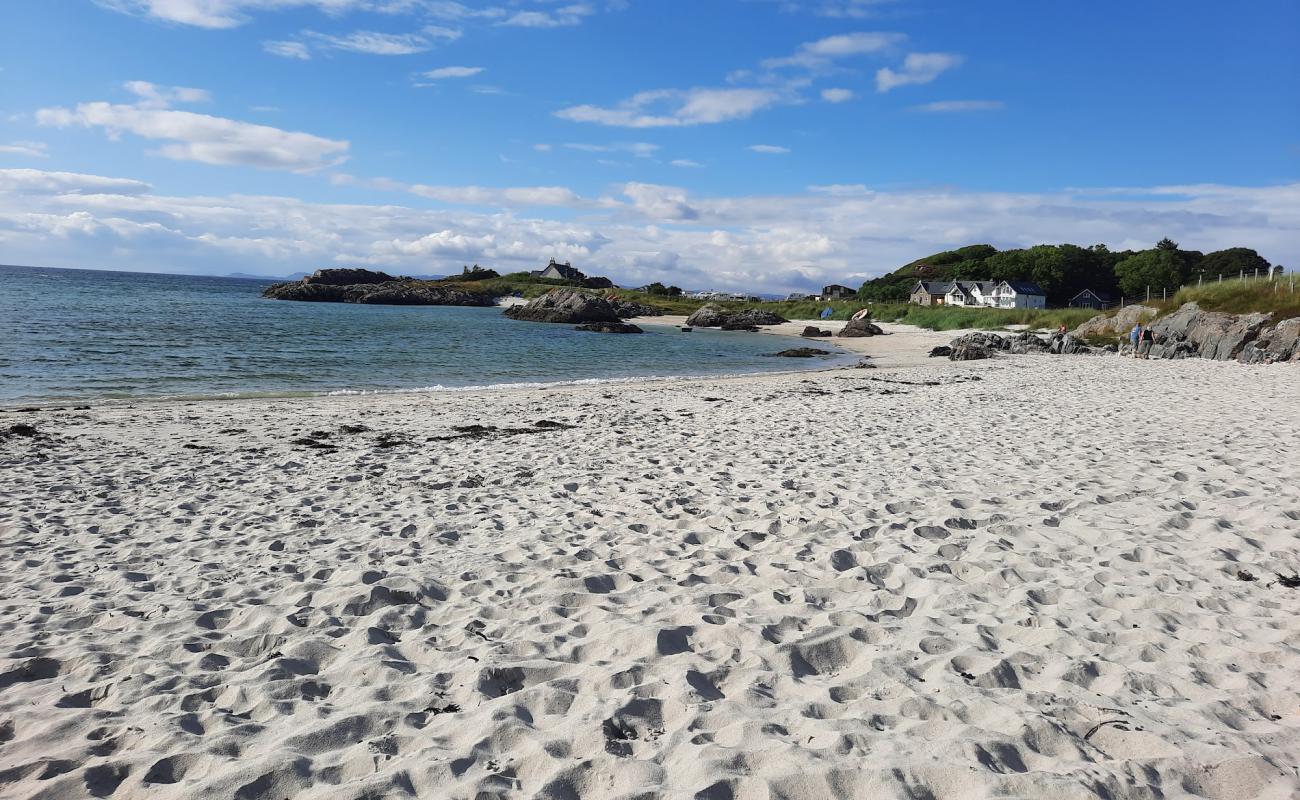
(827,312)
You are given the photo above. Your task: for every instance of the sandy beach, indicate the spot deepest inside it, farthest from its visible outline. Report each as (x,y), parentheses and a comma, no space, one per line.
(1024,577)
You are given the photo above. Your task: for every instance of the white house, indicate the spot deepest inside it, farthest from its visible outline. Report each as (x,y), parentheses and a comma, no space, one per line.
(995,294)
(968,293)
(1017,294)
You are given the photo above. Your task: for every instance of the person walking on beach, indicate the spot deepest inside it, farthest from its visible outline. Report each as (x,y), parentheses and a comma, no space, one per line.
(1148,338)
(1135,336)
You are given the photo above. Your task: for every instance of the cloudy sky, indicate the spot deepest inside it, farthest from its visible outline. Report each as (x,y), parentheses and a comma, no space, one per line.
(772,145)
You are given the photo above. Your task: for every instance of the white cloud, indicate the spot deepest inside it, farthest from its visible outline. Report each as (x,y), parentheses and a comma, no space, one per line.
(917,68)
(383,44)
(543,148)
(154,96)
(958,106)
(501,197)
(442,73)
(231,13)
(837,95)
(288,50)
(686,163)
(26,149)
(35,181)
(775,243)
(769,149)
(638,149)
(200,137)
(676,108)
(561,17)
(818,54)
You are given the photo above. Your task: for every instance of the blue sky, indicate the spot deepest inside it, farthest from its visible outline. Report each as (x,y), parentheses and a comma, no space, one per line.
(761,144)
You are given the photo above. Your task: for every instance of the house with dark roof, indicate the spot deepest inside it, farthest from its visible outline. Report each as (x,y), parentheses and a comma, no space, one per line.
(970,293)
(837,292)
(563,272)
(1016,294)
(929,293)
(1090,298)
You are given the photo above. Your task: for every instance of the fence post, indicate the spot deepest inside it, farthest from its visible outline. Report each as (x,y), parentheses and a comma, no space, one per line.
(1148,294)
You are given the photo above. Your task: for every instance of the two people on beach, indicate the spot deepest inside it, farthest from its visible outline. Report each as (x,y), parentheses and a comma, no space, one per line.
(1142,339)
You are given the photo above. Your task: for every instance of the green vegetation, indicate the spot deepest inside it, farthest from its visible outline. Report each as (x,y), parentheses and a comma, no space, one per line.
(1066,269)
(942,318)
(1280,297)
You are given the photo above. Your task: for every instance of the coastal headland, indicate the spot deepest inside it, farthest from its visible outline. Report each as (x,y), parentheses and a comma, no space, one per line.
(1027,576)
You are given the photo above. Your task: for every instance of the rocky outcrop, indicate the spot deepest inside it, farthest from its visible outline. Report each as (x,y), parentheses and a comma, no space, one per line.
(343,276)
(609,327)
(985,345)
(970,351)
(1277,344)
(1211,334)
(374,288)
(812,331)
(626,309)
(1117,324)
(567,306)
(712,316)
(801,352)
(860,327)
(942,351)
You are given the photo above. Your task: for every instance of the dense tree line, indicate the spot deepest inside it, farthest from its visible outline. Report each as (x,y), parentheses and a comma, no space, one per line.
(1064,270)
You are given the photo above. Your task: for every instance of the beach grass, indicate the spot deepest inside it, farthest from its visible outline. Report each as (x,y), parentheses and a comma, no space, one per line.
(1280,297)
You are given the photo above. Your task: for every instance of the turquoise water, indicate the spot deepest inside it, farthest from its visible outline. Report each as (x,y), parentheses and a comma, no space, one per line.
(90,335)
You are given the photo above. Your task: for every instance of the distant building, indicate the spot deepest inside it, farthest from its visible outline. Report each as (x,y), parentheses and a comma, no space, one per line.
(562,272)
(800,296)
(837,292)
(929,293)
(979,294)
(1091,299)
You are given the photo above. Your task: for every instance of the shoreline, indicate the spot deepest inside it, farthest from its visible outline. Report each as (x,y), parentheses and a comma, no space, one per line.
(882,355)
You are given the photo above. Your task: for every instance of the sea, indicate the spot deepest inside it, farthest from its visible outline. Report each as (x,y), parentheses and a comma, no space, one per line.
(90,335)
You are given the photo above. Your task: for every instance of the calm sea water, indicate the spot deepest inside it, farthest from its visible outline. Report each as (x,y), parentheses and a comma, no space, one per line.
(89,335)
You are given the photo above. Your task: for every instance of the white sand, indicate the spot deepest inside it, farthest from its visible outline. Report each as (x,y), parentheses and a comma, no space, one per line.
(825,586)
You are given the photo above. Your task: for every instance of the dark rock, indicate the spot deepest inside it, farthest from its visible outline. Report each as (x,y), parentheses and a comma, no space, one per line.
(860,327)
(347,277)
(1067,344)
(813,330)
(1212,334)
(801,352)
(626,309)
(970,352)
(942,350)
(609,327)
(565,305)
(375,288)
(1026,342)
(711,316)
(864,363)
(1277,344)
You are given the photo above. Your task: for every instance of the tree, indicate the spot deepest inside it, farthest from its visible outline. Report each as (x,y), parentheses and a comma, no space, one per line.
(1167,244)
(1157,269)
(1233,261)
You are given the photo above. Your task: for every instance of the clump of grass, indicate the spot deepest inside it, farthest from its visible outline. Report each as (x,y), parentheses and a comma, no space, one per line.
(947,318)
(1280,296)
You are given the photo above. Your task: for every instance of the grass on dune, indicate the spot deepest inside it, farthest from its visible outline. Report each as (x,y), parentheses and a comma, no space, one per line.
(1280,296)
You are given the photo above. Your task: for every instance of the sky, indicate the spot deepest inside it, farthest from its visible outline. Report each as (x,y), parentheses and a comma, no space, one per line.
(764,145)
